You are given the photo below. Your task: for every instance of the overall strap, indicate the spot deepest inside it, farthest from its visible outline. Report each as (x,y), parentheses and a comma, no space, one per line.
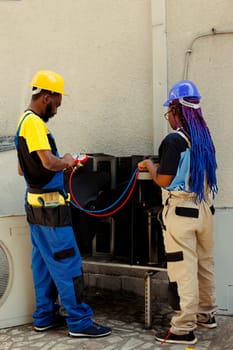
(178,131)
(19,127)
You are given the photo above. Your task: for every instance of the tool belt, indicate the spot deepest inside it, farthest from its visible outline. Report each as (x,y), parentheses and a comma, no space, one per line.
(50,209)
(47,199)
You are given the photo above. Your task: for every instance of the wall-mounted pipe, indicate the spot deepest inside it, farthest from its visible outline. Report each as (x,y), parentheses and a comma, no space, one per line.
(189,51)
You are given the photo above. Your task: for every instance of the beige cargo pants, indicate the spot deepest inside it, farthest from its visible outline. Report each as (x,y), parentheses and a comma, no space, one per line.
(189,242)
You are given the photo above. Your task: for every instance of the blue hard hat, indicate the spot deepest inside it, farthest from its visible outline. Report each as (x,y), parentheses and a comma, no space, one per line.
(184,88)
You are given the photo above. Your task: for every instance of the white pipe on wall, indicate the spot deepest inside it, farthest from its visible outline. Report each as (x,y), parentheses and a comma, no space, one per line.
(159,54)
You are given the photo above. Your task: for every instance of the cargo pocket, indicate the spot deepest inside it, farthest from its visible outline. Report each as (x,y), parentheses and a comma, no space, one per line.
(212,209)
(64,254)
(49,216)
(187,212)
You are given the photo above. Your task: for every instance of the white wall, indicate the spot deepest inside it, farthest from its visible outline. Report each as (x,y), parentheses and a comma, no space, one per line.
(12,186)
(224,260)
(210,67)
(110,52)
(115,56)
(103,50)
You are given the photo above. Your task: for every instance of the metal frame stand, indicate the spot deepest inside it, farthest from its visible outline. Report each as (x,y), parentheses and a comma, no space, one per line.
(147,283)
(147,296)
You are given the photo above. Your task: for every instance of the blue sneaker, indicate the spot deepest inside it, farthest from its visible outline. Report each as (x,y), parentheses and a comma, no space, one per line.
(94,331)
(60,321)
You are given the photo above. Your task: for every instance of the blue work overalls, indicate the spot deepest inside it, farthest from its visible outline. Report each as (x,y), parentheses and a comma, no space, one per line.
(56,260)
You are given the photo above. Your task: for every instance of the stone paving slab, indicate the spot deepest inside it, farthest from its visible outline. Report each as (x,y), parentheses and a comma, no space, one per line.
(125,314)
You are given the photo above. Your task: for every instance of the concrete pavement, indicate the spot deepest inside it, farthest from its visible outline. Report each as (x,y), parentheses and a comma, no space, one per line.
(125,314)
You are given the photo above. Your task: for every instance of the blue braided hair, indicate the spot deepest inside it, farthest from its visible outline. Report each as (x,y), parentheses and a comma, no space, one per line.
(203,159)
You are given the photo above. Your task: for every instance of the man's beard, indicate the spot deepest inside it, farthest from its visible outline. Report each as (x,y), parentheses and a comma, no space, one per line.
(48,113)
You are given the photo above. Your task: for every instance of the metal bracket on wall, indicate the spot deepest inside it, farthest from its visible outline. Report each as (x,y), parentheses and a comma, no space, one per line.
(6,143)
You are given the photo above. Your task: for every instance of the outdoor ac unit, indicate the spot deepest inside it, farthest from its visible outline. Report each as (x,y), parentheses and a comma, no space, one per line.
(16,287)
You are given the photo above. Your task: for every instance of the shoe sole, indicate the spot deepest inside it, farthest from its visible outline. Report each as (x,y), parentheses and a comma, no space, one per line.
(206,325)
(43,329)
(83,335)
(170,341)
(47,328)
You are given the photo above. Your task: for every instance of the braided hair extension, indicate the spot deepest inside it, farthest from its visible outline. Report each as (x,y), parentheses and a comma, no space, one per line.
(203,159)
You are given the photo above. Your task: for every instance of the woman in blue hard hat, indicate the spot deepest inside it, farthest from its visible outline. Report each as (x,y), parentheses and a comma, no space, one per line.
(187,174)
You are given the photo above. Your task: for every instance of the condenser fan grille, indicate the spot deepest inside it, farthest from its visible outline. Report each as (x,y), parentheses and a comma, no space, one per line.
(4,272)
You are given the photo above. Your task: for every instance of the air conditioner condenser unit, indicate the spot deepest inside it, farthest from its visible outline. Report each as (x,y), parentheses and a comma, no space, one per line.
(17,301)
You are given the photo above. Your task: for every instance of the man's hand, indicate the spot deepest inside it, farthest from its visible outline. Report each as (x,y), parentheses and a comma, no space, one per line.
(51,162)
(69,160)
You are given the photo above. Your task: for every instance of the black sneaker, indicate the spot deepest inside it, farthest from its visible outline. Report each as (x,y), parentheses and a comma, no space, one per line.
(60,321)
(44,328)
(210,323)
(94,331)
(172,338)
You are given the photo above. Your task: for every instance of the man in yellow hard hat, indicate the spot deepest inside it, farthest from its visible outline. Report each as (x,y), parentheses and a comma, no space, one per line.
(56,260)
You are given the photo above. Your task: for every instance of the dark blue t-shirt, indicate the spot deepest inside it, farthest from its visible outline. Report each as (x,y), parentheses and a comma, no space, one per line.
(169,153)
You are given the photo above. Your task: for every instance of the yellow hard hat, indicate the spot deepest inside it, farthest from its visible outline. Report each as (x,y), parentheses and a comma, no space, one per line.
(48,80)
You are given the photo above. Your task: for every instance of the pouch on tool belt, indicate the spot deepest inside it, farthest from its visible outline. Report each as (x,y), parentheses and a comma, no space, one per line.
(52,216)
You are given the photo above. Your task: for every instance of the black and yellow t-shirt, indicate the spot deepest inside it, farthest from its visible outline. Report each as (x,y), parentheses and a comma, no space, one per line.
(32,136)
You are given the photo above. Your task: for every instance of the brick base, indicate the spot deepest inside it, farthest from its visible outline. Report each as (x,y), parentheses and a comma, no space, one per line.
(125,280)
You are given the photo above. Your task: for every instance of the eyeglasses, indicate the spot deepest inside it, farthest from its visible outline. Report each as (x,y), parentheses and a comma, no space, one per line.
(166,114)
(172,110)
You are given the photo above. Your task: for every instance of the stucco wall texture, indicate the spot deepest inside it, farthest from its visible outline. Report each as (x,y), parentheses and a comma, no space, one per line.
(200,48)
(103,48)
